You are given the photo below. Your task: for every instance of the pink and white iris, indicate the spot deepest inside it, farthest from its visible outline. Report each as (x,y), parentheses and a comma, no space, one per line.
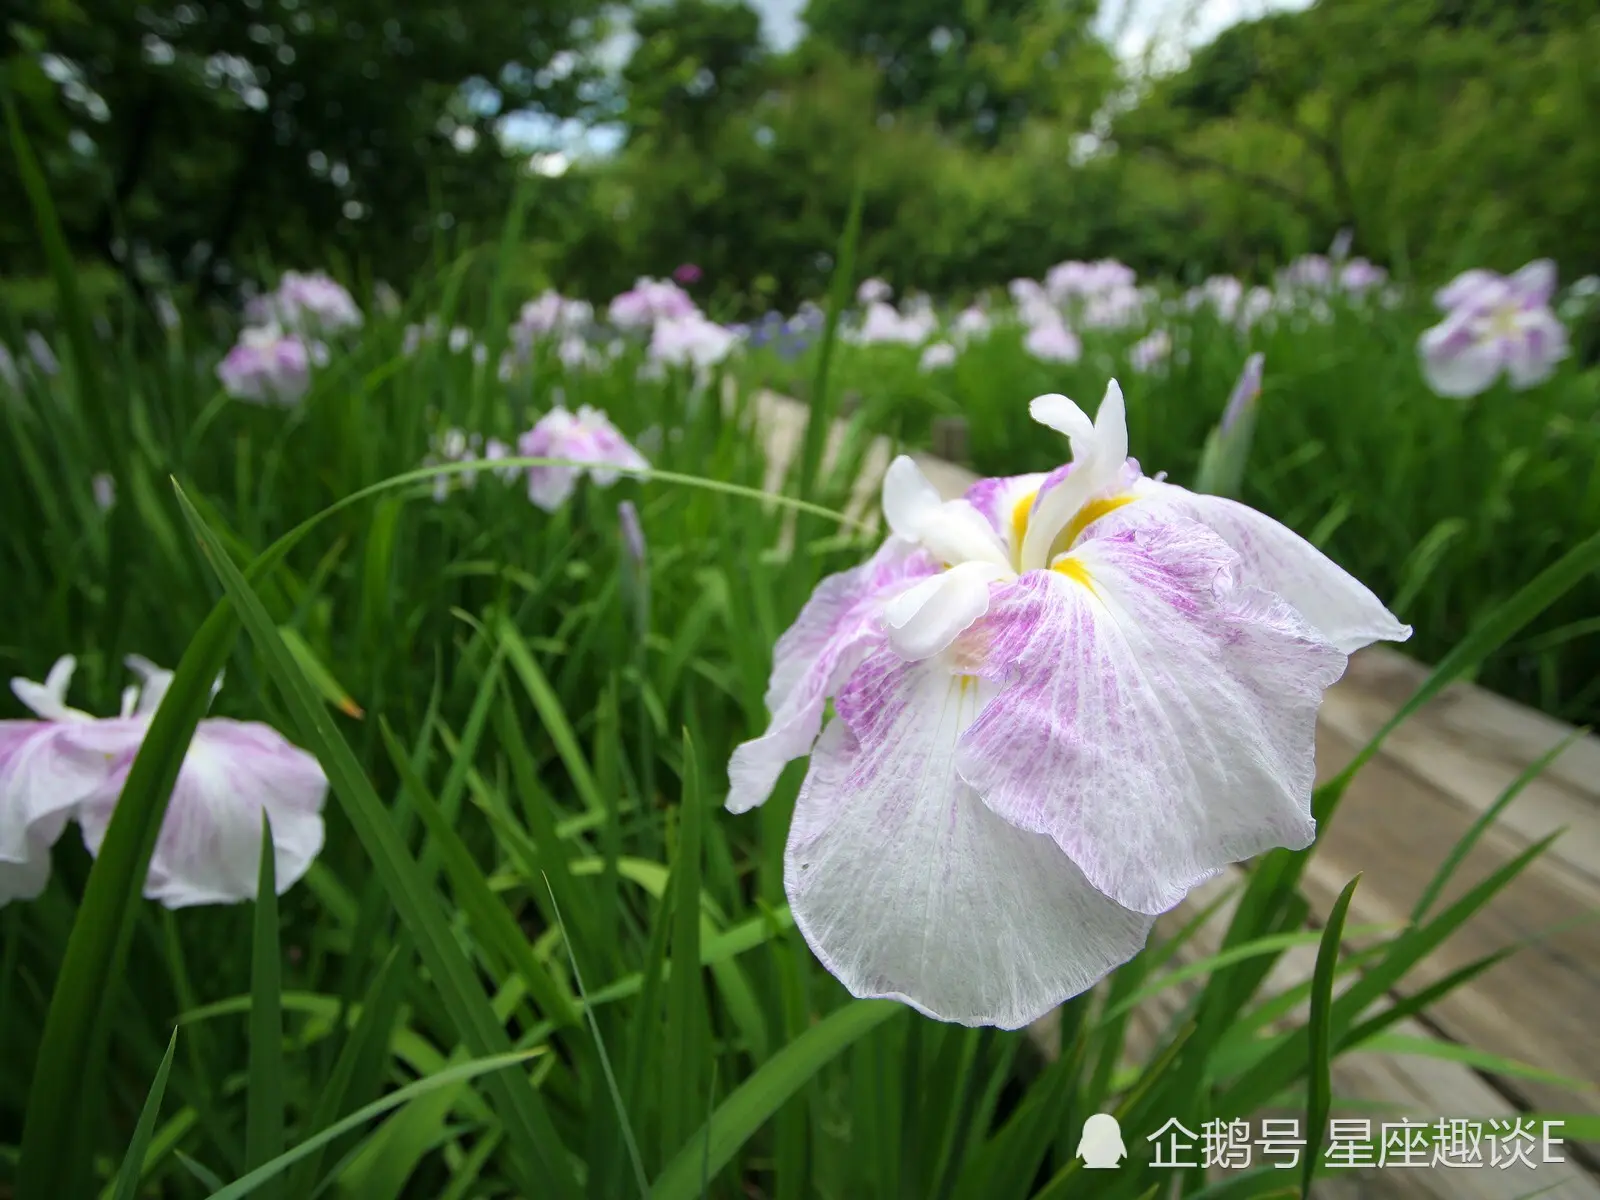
(649,301)
(587,437)
(1060,703)
(70,765)
(267,366)
(1493,325)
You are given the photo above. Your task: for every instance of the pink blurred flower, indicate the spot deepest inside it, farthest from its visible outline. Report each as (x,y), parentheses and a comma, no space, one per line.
(588,438)
(688,274)
(1151,351)
(266,366)
(885,323)
(873,291)
(310,303)
(550,313)
(1051,341)
(971,323)
(105,491)
(691,341)
(937,356)
(1493,325)
(649,301)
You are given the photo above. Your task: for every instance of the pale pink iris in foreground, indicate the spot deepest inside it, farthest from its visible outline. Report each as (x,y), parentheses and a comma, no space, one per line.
(1059,703)
(70,765)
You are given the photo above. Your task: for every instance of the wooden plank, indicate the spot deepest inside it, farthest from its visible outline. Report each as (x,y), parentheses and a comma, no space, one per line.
(1538,1006)
(1468,745)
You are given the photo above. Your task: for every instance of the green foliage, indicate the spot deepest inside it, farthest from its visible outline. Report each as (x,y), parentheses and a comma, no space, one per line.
(975,70)
(187,138)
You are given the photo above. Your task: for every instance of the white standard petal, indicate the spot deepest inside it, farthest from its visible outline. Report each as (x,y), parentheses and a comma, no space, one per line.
(957,532)
(1098,457)
(208,851)
(1064,416)
(925,619)
(1276,558)
(1535,283)
(906,887)
(1158,722)
(49,699)
(909,499)
(813,657)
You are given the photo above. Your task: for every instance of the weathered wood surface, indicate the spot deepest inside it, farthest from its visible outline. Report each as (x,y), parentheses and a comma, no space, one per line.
(1401,816)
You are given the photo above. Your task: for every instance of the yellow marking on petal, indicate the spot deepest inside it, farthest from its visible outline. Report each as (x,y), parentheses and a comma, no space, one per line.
(1019,523)
(967,683)
(1073,569)
(1086,516)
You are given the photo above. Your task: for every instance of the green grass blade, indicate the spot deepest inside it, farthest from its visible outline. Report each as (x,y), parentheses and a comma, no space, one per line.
(682,1099)
(250,1183)
(263,1136)
(494,926)
(1468,840)
(1319,1030)
(554,718)
(620,1106)
(132,1169)
(357,1072)
(820,420)
(753,1103)
(72,1043)
(1480,1060)
(537,1152)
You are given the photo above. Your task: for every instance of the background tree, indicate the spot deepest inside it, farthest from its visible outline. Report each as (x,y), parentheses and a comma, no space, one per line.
(976,69)
(189,134)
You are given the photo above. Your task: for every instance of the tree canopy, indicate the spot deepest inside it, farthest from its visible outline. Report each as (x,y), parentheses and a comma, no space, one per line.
(990,138)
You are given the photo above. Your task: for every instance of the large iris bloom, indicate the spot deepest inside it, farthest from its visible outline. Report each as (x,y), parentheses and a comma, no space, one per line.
(1059,703)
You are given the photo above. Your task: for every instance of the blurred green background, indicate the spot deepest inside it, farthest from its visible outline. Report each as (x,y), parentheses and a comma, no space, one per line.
(192,143)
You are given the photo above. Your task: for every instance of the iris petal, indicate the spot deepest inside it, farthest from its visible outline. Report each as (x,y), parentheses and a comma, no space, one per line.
(208,851)
(1158,720)
(907,887)
(813,658)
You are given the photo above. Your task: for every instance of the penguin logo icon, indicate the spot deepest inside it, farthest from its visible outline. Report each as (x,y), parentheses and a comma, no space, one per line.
(1101,1146)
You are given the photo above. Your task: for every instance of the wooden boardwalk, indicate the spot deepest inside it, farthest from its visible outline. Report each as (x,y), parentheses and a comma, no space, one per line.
(1401,817)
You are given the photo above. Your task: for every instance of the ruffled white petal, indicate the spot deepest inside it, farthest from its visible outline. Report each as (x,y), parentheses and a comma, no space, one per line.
(1276,558)
(1457,370)
(1535,283)
(1159,721)
(208,851)
(813,657)
(43,776)
(1541,343)
(907,887)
